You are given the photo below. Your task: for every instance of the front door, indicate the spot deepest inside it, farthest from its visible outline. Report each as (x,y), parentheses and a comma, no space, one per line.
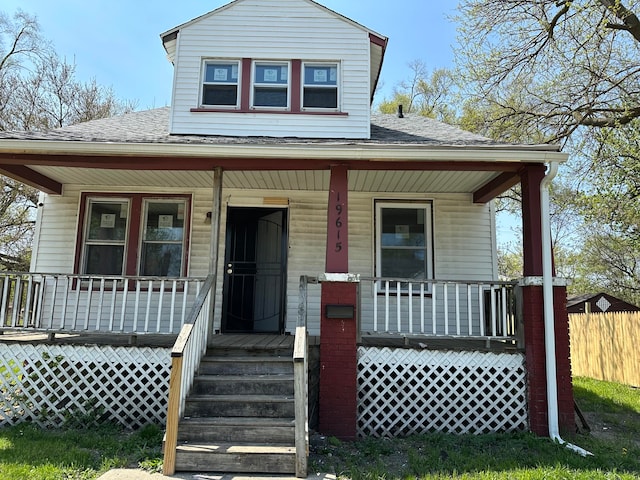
(255,270)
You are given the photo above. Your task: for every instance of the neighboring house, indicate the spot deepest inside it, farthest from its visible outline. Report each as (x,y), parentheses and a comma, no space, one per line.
(598,302)
(267,203)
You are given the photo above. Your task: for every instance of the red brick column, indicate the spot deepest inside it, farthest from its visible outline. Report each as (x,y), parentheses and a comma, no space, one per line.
(533,316)
(532,299)
(338,364)
(566,415)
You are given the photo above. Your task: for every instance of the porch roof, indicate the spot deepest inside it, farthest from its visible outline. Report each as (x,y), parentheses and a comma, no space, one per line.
(152,126)
(139,143)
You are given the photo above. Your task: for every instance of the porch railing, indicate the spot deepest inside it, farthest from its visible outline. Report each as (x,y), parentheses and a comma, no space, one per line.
(448,308)
(301,381)
(88,303)
(186,354)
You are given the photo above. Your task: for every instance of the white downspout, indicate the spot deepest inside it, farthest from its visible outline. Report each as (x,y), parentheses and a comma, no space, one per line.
(549,317)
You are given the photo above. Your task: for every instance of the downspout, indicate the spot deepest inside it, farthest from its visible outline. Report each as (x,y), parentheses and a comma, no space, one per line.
(549,316)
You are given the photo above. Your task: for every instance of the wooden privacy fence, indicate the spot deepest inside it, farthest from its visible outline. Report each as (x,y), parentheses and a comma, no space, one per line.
(605,346)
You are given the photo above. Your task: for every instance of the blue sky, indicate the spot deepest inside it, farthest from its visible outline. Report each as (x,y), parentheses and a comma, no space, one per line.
(117,42)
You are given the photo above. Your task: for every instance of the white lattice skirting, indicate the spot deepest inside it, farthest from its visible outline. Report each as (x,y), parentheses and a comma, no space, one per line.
(47,384)
(403,392)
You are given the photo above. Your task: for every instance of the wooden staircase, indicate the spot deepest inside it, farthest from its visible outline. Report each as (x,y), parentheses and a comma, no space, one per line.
(239,416)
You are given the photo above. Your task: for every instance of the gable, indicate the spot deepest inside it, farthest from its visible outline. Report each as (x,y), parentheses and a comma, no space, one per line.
(293,7)
(220,58)
(599,302)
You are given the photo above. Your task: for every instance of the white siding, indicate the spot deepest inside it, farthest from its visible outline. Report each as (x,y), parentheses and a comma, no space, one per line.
(273,30)
(463,238)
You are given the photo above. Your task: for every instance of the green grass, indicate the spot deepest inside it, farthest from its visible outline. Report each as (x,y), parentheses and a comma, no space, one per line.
(29,452)
(594,395)
(614,441)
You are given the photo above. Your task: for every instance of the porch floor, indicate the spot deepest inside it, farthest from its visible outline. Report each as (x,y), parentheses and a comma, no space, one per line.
(266,341)
(439,343)
(122,339)
(276,342)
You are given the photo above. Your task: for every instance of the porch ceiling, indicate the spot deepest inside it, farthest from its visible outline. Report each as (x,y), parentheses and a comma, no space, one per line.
(359,180)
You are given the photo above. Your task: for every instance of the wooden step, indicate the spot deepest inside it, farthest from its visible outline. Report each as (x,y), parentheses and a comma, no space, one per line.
(220,365)
(224,457)
(270,406)
(242,430)
(243,385)
(240,415)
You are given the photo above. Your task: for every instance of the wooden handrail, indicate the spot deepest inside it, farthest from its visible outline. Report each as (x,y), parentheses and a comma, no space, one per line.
(300,379)
(301,383)
(185,332)
(184,366)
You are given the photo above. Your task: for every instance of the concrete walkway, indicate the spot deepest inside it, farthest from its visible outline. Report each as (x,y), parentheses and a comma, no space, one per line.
(136,474)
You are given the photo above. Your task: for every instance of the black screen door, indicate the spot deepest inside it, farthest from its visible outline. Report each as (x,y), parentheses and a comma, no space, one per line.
(255,270)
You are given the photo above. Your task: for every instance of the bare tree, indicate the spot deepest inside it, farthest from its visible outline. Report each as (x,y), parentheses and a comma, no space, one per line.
(575,63)
(38,91)
(428,93)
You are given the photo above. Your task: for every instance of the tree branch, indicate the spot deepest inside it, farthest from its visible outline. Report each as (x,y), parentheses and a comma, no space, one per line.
(630,21)
(615,120)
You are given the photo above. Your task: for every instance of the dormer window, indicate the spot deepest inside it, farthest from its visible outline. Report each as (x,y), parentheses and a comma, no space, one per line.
(320,86)
(250,85)
(220,84)
(271,84)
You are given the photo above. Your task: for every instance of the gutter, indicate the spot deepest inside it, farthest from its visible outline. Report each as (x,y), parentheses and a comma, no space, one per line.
(549,316)
(335,151)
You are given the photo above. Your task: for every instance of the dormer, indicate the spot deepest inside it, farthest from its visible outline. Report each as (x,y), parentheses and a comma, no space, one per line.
(273,68)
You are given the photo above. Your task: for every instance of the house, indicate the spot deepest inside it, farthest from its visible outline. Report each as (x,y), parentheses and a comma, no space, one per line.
(598,302)
(268,224)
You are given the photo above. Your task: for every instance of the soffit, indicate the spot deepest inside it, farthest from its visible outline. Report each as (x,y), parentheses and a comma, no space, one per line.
(318,180)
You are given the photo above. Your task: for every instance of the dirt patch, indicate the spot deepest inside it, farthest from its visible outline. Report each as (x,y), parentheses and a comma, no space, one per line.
(614,427)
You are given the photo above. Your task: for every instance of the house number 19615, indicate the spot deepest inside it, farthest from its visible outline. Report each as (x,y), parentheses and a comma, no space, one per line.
(339,210)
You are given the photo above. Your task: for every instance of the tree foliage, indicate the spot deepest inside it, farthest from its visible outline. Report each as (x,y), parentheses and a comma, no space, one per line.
(38,91)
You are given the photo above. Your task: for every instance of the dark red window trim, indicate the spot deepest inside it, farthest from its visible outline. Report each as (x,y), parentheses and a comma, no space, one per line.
(295,107)
(132,249)
(296,88)
(284,112)
(245,89)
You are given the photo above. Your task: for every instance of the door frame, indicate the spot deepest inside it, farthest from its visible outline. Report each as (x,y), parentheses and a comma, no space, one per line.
(284,246)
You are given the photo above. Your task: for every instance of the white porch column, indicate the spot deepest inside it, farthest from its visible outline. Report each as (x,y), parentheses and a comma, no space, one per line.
(215,242)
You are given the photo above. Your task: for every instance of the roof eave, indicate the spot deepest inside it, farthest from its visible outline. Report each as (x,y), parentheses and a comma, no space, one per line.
(335,150)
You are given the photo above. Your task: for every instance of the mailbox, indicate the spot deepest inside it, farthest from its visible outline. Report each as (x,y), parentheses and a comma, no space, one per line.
(339,311)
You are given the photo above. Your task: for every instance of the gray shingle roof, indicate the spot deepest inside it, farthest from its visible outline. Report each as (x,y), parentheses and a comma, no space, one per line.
(151,126)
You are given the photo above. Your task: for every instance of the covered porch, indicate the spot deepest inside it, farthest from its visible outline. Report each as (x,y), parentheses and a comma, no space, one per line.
(394,236)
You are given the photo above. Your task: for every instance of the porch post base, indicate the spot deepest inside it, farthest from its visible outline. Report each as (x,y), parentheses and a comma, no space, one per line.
(566,414)
(338,363)
(533,316)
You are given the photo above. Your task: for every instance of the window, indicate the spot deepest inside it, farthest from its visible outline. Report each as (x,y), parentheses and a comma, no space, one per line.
(320,86)
(270,84)
(220,84)
(404,240)
(134,235)
(105,241)
(162,238)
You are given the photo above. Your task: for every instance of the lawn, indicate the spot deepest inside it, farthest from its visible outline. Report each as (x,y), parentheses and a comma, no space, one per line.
(29,452)
(613,413)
